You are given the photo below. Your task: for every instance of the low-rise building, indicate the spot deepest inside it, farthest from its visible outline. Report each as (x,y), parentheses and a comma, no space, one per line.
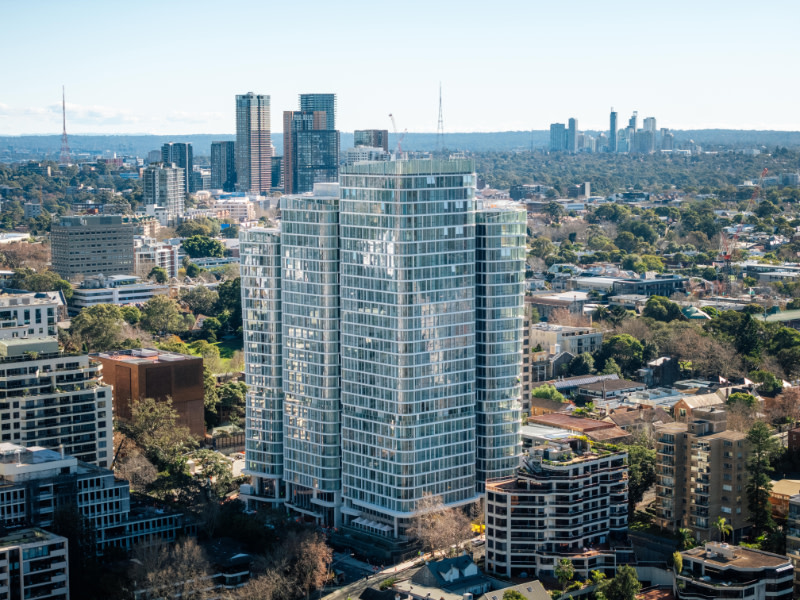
(568,500)
(149,253)
(120,290)
(718,570)
(574,340)
(608,389)
(659,285)
(148,373)
(35,564)
(35,481)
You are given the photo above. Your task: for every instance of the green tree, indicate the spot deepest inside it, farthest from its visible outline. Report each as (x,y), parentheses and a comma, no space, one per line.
(762,448)
(192,270)
(512,594)
(564,572)
(42,281)
(542,247)
(611,368)
(98,328)
(131,314)
(158,274)
(200,246)
(722,528)
(677,562)
(583,364)
(215,470)
(661,309)
(230,300)
(154,427)
(202,227)
(231,232)
(624,586)
(549,392)
(747,400)
(210,397)
(687,539)
(160,315)
(641,473)
(211,327)
(625,350)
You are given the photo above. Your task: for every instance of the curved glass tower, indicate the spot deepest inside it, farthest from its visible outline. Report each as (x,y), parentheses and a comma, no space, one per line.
(500,232)
(260,252)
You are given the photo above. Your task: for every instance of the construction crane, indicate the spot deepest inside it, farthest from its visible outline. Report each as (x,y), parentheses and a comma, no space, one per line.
(400,138)
(727,245)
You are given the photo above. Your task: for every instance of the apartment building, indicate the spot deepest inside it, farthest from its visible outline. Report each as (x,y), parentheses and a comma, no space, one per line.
(567,500)
(718,570)
(92,245)
(574,340)
(34,564)
(28,315)
(383,338)
(52,399)
(148,253)
(35,482)
(793,539)
(701,473)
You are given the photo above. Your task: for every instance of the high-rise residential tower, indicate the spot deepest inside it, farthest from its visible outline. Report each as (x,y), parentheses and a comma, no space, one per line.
(612,132)
(310,144)
(164,188)
(253,143)
(260,252)
(500,235)
(180,154)
(310,309)
(558,137)
(407,251)
(223,166)
(572,136)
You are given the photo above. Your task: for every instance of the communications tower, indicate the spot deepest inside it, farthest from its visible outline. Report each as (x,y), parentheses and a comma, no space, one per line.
(66,155)
(440,126)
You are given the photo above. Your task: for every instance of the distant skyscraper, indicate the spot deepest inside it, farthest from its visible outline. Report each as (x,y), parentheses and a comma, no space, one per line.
(634,120)
(164,188)
(374,138)
(612,132)
(253,143)
(572,136)
(631,132)
(558,137)
(649,124)
(310,144)
(180,154)
(223,166)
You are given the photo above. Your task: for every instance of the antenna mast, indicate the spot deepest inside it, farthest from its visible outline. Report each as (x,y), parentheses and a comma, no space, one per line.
(440,126)
(66,155)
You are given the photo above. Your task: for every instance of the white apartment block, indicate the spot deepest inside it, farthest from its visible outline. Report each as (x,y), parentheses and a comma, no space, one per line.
(568,500)
(119,290)
(574,340)
(35,481)
(239,209)
(34,564)
(148,253)
(28,315)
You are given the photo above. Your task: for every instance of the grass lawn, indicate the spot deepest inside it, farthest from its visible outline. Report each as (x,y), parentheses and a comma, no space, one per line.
(228,346)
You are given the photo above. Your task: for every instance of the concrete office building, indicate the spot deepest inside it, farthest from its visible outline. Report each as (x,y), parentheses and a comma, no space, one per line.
(372,138)
(164,188)
(253,144)
(119,290)
(147,373)
(92,245)
(180,155)
(701,470)
(568,500)
(223,166)
(500,243)
(35,564)
(53,399)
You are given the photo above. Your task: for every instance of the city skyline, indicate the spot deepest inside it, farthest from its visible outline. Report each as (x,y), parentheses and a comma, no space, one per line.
(686,74)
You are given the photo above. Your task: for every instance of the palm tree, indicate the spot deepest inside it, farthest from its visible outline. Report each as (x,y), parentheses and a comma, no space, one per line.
(723,528)
(687,540)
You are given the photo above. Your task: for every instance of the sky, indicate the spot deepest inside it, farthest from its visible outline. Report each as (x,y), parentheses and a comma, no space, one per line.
(175,67)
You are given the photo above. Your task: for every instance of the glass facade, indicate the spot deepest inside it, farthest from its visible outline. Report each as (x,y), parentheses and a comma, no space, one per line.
(407,252)
(253,143)
(260,251)
(500,237)
(310,309)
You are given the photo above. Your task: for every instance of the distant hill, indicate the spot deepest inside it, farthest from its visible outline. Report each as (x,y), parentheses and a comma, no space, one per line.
(475,142)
